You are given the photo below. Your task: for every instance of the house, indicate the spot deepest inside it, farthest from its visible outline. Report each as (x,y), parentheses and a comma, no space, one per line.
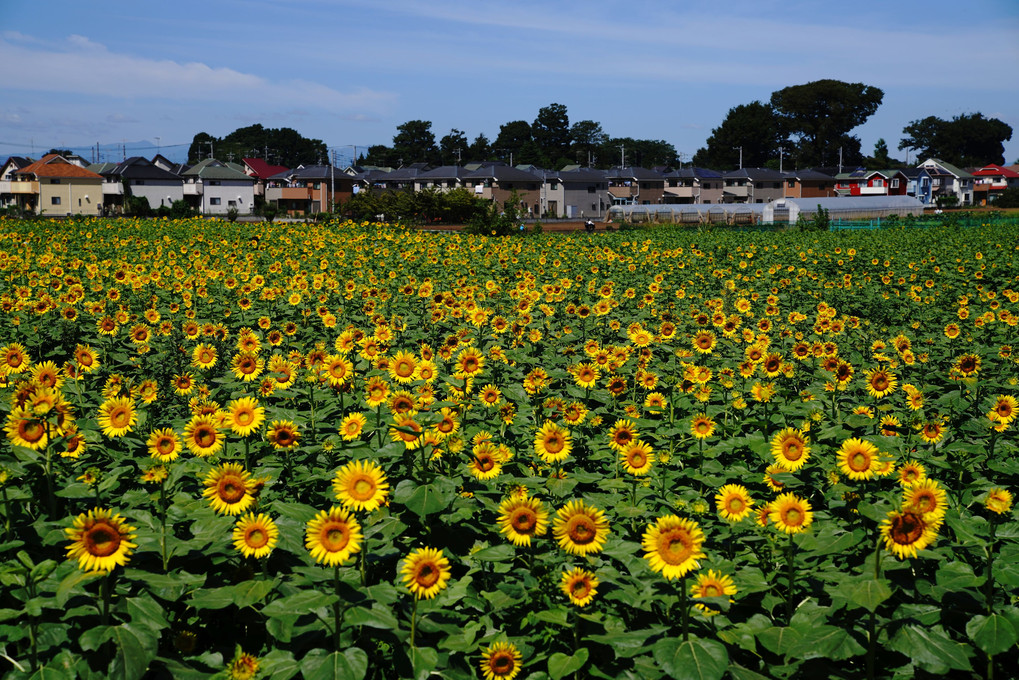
(139,177)
(918,184)
(261,170)
(575,192)
(752,185)
(635,186)
(442,178)
(948,181)
(12,192)
(990,181)
(809,184)
(692,185)
(863,182)
(307,190)
(497,182)
(61,187)
(214,187)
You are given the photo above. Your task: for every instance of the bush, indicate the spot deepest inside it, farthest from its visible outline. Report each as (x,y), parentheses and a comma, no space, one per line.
(269,211)
(231,214)
(819,221)
(1009,199)
(181,210)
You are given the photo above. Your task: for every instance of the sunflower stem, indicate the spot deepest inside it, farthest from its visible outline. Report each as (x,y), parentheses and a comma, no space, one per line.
(872,619)
(791,574)
(247,455)
(106,588)
(162,523)
(336,607)
(413,621)
(7,512)
(685,607)
(989,578)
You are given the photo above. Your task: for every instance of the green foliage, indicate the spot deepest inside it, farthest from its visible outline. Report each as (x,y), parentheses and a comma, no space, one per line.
(819,221)
(457,206)
(181,210)
(965,140)
(1009,198)
(755,127)
(231,214)
(284,146)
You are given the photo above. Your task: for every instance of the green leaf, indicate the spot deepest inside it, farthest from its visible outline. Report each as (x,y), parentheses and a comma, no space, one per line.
(627,644)
(422,500)
(352,664)
(993,634)
(869,593)
(496,553)
(135,648)
(47,673)
(740,673)
(70,583)
(930,645)
(92,638)
(694,659)
(250,592)
(561,665)
(378,616)
(779,639)
(424,660)
(144,611)
(828,642)
(300,603)
(958,575)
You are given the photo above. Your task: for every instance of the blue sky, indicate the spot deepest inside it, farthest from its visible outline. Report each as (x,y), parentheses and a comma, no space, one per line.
(76,73)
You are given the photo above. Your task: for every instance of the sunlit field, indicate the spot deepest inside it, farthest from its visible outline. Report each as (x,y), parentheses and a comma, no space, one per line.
(360,451)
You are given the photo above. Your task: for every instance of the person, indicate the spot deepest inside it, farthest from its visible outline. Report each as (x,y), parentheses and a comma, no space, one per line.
(589,226)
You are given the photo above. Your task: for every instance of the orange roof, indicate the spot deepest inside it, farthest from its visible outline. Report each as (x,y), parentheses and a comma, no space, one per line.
(52,165)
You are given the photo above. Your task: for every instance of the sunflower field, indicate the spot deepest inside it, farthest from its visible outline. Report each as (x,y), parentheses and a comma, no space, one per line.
(349,450)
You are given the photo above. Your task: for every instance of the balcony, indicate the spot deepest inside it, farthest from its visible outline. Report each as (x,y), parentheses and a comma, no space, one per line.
(113,189)
(193,189)
(19,187)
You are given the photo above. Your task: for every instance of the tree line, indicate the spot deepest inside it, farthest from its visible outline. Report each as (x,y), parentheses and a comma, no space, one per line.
(805,126)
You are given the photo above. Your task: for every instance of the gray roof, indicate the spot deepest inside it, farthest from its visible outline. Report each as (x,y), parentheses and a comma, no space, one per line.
(210,168)
(854,203)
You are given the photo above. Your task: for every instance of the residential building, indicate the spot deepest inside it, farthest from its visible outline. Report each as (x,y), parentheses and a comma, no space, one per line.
(918,184)
(693,185)
(990,181)
(863,182)
(497,182)
(261,170)
(752,185)
(307,190)
(139,177)
(62,188)
(214,187)
(14,193)
(948,180)
(809,184)
(442,178)
(635,186)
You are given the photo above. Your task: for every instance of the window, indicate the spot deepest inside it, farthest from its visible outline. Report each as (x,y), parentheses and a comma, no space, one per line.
(776,185)
(214,182)
(138,182)
(590,190)
(232,204)
(54,200)
(215,201)
(54,181)
(895,183)
(316,186)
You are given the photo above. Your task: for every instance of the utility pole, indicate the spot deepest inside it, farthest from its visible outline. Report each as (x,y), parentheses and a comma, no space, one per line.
(158,149)
(622,156)
(332,182)
(740,156)
(780,151)
(212,152)
(840,160)
(458,158)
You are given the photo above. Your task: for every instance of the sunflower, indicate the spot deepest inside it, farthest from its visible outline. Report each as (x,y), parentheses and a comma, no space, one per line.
(790,513)
(968,364)
(585,375)
(932,431)
(1005,408)
(622,434)
(352,425)
(333,536)
(702,426)
(283,434)
(255,535)
(117,416)
(734,502)
(857,459)
(245,416)
(552,443)
(485,462)
(880,382)
(87,358)
(927,498)
(164,445)
(202,436)
(998,500)
(25,429)
(337,370)
(204,356)
(704,342)
(789,447)
(14,358)
(711,584)
(407,430)
(672,546)
(580,529)
(905,532)
(637,458)
(425,572)
(911,472)
(521,517)
(579,585)
(361,485)
(100,540)
(244,666)
(229,489)
(247,366)
(500,661)
(470,362)
(403,367)
(183,383)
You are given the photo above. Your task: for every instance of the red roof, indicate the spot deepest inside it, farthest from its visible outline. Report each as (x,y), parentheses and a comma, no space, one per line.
(52,165)
(262,169)
(993,170)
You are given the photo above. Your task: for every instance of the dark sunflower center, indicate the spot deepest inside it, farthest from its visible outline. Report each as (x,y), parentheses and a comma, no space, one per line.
(907,528)
(426,575)
(231,489)
(581,529)
(102,540)
(524,520)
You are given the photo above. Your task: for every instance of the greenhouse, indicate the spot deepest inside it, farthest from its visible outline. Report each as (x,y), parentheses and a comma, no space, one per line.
(691,213)
(782,210)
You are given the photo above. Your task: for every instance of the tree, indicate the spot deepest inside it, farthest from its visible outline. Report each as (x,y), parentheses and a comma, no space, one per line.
(551,133)
(587,137)
(966,140)
(415,143)
(453,147)
(645,153)
(881,159)
(515,141)
(820,116)
(380,155)
(199,148)
(481,149)
(755,128)
(281,146)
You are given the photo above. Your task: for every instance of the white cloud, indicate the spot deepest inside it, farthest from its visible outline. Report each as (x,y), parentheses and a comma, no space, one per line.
(82,67)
